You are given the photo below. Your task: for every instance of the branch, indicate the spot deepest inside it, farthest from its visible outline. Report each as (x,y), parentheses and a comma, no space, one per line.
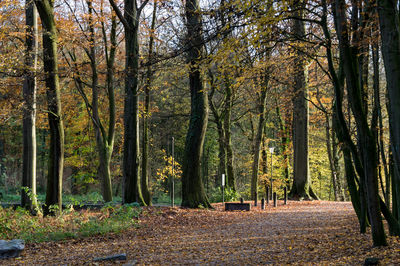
(139,10)
(119,15)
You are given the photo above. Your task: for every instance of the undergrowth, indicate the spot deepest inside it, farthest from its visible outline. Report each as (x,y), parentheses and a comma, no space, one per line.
(69,224)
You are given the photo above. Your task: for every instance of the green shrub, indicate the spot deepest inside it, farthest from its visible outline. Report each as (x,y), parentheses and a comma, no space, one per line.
(229,195)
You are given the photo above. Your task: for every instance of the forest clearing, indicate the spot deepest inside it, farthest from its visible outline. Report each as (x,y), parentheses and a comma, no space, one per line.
(300,233)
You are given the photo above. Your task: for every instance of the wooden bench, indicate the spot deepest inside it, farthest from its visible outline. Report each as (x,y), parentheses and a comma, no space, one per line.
(234,206)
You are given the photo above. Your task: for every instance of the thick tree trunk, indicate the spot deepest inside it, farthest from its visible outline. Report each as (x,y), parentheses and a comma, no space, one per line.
(28,200)
(132,191)
(301,188)
(193,194)
(56,154)
(390,35)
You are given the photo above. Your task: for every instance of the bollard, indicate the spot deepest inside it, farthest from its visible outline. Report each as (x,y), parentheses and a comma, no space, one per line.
(275,199)
(285,195)
(241,200)
(262,204)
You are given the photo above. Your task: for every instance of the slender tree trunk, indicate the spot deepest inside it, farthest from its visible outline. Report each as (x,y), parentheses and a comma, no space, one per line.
(29,115)
(221,151)
(230,172)
(218,119)
(193,194)
(104,150)
(330,157)
(285,141)
(109,143)
(342,132)
(56,154)
(336,165)
(146,116)
(258,138)
(366,137)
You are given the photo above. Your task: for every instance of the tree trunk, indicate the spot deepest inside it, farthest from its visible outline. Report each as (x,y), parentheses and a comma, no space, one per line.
(390,35)
(329,141)
(56,154)
(230,173)
(285,141)
(301,188)
(222,167)
(131,162)
(258,137)
(104,149)
(193,194)
(218,119)
(366,137)
(342,132)
(146,115)
(336,166)
(28,200)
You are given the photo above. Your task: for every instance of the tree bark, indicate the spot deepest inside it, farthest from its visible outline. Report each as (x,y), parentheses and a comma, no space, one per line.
(230,172)
(329,141)
(390,35)
(193,194)
(104,142)
(132,191)
(146,115)
(28,200)
(284,133)
(258,138)
(366,137)
(56,154)
(342,132)
(218,119)
(301,188)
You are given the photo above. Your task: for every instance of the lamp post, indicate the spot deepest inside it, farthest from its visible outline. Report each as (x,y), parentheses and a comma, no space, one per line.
(271,150)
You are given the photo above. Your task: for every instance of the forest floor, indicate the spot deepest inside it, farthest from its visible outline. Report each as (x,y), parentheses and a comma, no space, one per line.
(316,232)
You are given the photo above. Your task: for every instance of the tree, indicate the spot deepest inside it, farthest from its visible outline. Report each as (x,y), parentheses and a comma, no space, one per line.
(261,106)
(104,139)
(28,200)
(301,177)
(131,160)
(367,141)
(146,112)
(390,35)
(193,194)
(50,59)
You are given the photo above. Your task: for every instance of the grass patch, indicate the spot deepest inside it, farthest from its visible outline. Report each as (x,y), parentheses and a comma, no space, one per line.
(70,224)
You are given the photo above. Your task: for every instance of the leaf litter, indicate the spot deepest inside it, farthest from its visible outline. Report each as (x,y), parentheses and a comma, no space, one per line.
(308,232)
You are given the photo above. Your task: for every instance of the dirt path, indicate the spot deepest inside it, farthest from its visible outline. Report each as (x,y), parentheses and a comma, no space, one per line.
(298,233)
